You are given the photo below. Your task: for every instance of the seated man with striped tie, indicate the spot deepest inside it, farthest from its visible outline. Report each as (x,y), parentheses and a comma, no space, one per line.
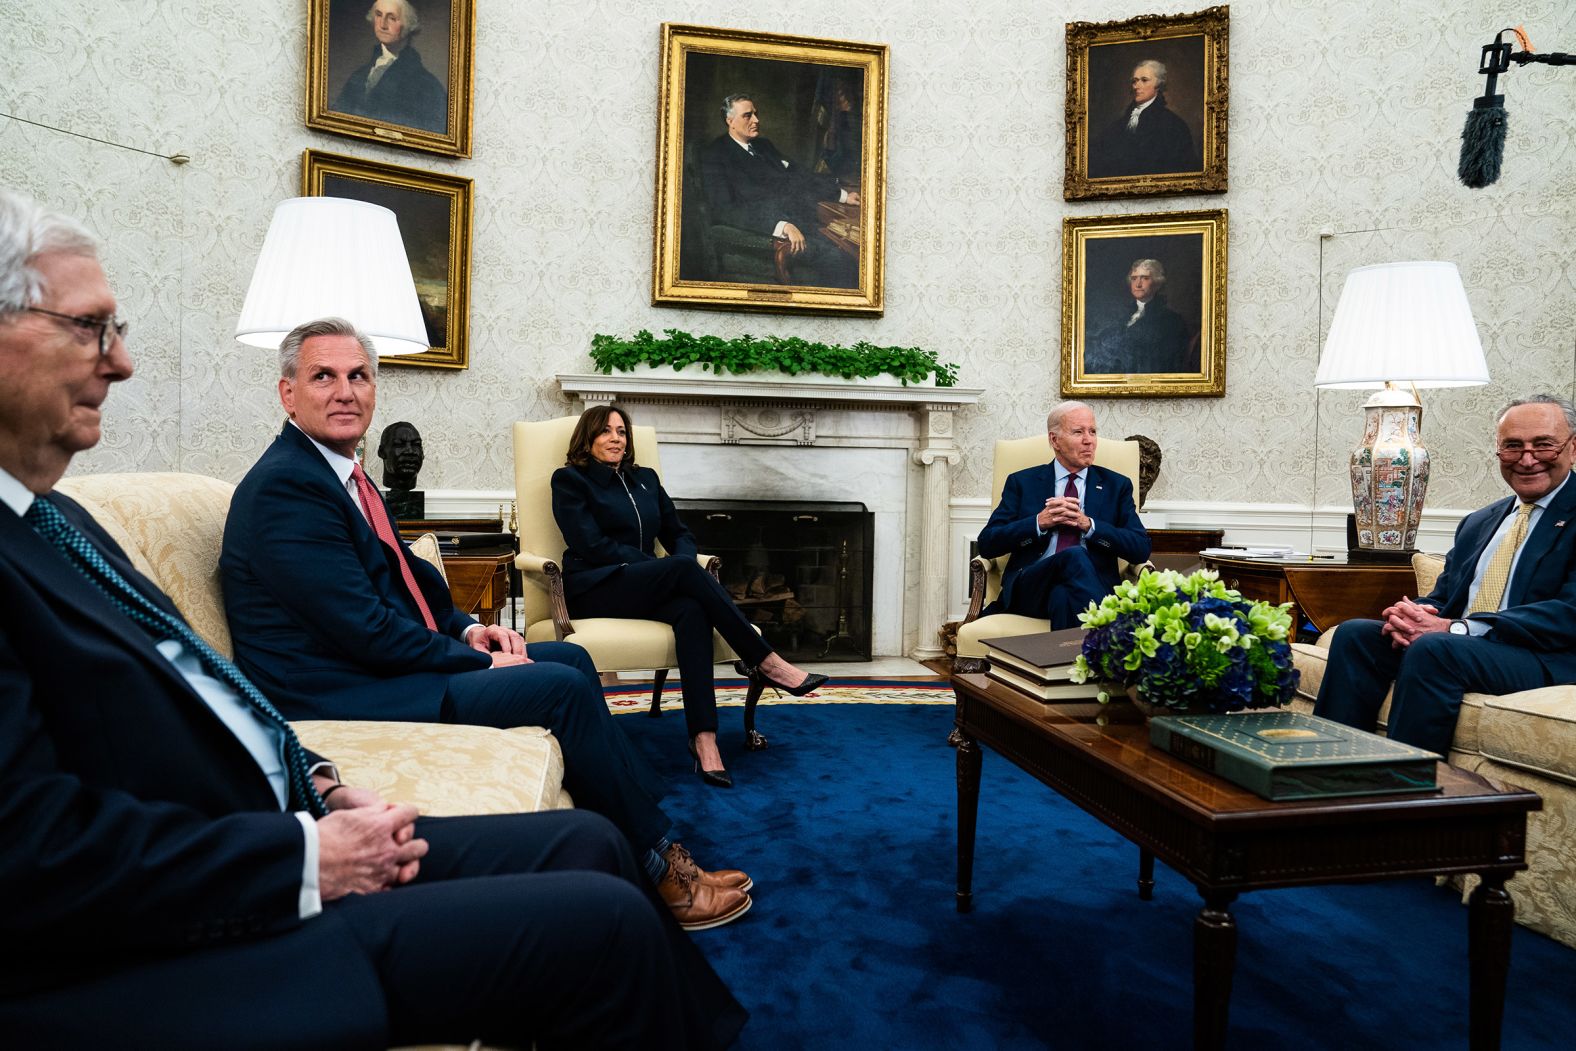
(1502,616)
(1065,523)
(179,873)
(334,618)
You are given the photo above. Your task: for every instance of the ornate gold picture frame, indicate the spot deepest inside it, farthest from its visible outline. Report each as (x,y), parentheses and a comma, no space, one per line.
(434,213)
(771,173)
(370,75)
(1146,106)
(1144,305)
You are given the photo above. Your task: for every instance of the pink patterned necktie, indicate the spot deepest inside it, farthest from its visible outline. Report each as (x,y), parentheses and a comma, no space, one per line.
(378,518)
(1068,536)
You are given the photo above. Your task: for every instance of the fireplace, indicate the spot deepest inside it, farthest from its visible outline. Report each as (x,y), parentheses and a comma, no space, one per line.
(808,439)
(801,572)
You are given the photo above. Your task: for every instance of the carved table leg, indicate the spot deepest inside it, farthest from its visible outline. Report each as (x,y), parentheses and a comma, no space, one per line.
(1490,919)
(968,811)
(954,738)
(1214,957)
(1146,874)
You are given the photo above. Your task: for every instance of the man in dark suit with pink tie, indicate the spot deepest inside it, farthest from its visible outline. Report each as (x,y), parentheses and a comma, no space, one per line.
(1065,524)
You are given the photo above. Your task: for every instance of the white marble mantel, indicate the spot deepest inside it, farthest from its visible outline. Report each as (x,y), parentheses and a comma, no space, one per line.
(759,436)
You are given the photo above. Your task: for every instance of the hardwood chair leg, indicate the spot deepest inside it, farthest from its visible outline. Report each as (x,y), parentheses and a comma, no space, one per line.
(753,741)
(657,680)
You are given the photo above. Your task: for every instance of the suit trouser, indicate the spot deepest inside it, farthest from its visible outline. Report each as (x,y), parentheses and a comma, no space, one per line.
(518,927)
(679,593)
(1058,587)
(562,692)
(1430,676)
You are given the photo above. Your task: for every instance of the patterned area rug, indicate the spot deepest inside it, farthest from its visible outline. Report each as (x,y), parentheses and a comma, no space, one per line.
(636,696)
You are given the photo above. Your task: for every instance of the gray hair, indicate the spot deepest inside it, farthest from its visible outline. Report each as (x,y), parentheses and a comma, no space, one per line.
(727,104)
(407,16)
(1054,418)
(290,349)
(1155,267)
(1158,68)
(28,230)
(1542,399)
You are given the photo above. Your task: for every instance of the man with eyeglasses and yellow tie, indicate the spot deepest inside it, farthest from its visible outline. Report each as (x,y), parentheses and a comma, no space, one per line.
(1502,616)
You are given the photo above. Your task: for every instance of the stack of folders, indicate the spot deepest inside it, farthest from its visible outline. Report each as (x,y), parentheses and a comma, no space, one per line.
(1040,665)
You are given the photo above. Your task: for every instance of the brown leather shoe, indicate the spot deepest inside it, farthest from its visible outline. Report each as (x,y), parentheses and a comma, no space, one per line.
(677,855)
(698,905)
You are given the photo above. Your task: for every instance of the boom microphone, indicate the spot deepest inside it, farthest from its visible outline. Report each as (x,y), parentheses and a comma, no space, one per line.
(1483,138)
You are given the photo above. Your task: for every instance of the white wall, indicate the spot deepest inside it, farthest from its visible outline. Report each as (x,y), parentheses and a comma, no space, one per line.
(1344,116)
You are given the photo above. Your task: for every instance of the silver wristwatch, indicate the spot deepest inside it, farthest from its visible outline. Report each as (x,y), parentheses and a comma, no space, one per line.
(1459,627)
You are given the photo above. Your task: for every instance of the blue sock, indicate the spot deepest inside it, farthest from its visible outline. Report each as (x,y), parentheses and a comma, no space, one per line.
(656,865)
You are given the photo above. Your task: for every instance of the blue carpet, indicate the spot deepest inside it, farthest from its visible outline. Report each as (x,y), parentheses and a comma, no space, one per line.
(847,825)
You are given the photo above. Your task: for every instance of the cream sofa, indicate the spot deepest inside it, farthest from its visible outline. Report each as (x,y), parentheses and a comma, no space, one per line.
(172,525)
(1527,739)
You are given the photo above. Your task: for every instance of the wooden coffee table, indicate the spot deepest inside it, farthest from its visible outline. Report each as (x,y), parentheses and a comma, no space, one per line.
(1227,840)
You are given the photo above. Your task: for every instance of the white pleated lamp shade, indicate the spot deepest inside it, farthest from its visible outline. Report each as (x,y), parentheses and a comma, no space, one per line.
(1402,323)
(333,257)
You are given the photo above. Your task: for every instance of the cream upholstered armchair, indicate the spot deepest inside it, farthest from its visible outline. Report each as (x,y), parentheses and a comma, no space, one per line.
(1527,739)
(1016,454)
(614,643)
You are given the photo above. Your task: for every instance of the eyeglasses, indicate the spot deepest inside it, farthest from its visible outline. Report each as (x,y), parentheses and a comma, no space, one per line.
(100,326)
(1544,449)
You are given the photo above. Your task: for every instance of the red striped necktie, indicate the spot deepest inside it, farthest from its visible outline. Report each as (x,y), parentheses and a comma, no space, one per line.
(378,518)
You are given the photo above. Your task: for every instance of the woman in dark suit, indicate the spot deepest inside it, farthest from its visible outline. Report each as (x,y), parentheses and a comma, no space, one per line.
(611,512)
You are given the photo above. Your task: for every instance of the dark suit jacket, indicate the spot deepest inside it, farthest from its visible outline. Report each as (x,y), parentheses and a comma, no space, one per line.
(1162,143)
(134,823)
(1108,501)
(1157,342)
(317,607)
(757,192)
(596,510)
(1540,607)
(405,94)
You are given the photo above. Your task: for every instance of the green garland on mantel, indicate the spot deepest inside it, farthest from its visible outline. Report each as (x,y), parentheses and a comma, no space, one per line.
(768,353)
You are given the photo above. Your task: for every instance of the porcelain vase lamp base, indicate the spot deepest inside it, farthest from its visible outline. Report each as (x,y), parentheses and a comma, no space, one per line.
(1390,473)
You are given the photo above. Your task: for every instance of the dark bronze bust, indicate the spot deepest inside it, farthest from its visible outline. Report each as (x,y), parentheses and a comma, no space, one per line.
(399,448)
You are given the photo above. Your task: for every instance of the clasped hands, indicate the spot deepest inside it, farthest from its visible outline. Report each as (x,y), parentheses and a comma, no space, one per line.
(365,844)
(1406,620)
(1062,511)
(510,646)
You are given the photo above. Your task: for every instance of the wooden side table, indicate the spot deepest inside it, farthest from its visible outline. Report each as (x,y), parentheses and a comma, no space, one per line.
(1178,548)
(479,581)
(1324,591)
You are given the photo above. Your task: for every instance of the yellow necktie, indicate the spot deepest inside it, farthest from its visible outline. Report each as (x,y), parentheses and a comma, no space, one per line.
(1497,575)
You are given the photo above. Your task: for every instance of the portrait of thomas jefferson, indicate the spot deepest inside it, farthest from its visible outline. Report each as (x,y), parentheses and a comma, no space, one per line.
(389,81)
(1139,333)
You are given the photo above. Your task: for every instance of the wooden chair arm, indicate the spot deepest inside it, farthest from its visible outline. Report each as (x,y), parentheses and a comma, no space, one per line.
(979,568)
(711,564)
(546,568)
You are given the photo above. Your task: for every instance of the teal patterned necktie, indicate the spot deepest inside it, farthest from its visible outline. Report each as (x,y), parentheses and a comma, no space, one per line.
(49,523)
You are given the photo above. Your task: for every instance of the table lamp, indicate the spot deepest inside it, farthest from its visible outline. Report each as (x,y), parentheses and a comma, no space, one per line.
(1397,323)
(333,257)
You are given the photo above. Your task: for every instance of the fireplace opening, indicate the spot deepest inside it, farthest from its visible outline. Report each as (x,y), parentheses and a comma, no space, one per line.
(801,572)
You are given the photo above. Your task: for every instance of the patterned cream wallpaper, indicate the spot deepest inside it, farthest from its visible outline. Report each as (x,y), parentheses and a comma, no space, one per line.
(1345,117)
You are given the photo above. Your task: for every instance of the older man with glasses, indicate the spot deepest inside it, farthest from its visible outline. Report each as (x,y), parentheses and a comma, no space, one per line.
(1502,616)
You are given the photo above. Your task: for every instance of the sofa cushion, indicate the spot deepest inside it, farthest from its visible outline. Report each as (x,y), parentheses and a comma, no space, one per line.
(171,526)
(444,769)
(1533,729)
(637,643)
(1426,568)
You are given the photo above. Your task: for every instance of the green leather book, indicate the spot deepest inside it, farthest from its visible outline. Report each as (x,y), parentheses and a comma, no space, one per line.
(1287,755)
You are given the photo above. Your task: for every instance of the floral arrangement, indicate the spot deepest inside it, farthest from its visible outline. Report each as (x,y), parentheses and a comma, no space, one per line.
(1188,642)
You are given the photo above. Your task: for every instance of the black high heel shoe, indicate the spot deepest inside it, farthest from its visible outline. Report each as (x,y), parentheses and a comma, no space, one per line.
(715,778)
(812,680)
